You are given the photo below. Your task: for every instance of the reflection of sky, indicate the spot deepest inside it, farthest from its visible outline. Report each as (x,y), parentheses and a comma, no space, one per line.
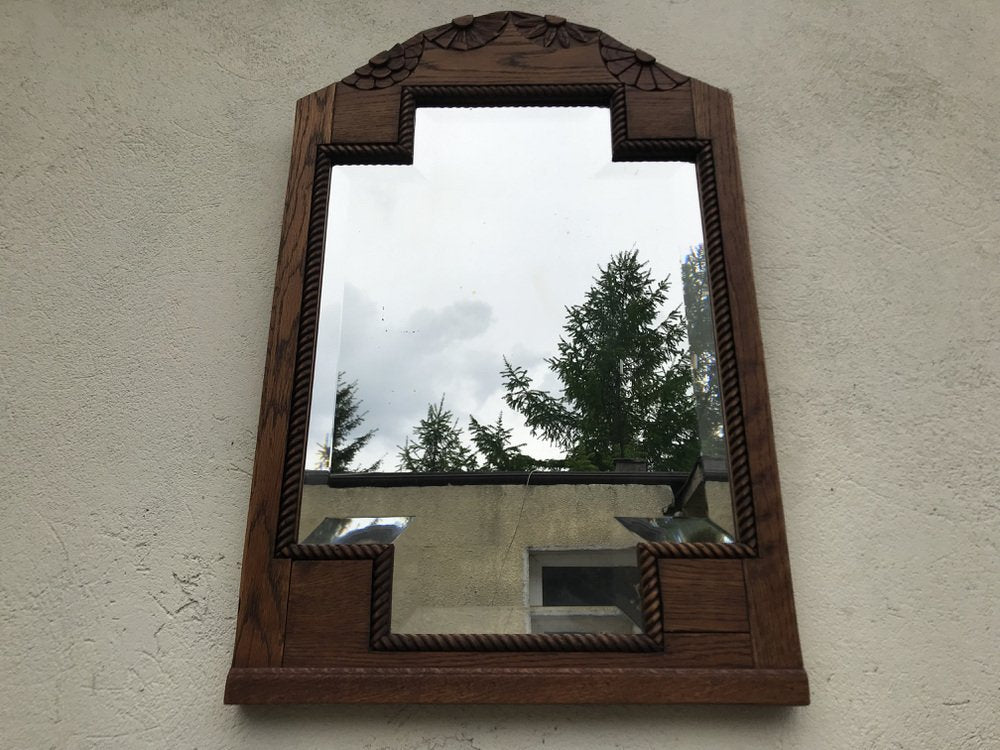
(436,271)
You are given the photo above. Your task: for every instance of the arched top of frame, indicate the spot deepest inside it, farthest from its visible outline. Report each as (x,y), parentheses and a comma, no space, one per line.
(514,47)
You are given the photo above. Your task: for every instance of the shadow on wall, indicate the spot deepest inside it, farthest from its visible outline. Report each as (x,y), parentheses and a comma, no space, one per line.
(526,726)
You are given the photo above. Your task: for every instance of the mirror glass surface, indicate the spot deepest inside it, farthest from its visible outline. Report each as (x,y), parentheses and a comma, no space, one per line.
(520,313)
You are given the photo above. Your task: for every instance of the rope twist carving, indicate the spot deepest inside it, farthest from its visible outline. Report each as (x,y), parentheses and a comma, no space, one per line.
(288,512)
(562,642)
(334,551)
(649,588)
(739,470)
(698,550)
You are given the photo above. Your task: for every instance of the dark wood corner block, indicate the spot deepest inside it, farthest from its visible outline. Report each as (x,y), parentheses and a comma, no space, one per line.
(660,114)
(703,596)
(329,607)
(366,116)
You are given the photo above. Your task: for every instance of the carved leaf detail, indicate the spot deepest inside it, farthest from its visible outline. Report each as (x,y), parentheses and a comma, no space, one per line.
(549,31)
(388,67)
(637,68)
(467,32)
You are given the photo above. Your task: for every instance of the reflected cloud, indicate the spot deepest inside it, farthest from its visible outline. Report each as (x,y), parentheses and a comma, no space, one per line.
(401,366)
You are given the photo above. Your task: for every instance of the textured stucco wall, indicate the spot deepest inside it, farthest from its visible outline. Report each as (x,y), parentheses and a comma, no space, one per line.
(143,151)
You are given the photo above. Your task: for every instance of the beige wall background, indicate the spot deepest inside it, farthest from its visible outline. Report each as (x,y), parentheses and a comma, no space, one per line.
(144,149)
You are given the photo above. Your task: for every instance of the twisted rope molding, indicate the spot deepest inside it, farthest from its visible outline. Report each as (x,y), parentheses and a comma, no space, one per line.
(696,550)
(524,95)
(725,345)
(649,588)
(562,642)
(381,622)
(335,551)
(298,417)
(671,149)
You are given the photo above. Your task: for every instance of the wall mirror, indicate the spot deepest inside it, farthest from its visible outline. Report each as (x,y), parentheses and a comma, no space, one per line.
(514,425)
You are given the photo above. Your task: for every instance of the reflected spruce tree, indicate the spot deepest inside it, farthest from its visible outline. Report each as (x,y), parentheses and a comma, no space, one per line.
(627,388)
(338,450)
(496,449)
(436,444)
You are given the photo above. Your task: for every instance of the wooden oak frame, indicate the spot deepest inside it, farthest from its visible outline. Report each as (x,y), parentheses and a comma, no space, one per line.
(719,618)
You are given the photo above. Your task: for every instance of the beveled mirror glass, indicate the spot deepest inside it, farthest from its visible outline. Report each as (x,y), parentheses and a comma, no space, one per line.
(519,312)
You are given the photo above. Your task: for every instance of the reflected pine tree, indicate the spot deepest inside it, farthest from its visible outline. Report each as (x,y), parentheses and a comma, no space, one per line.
(338,450)
(626,380)
(436,444)
(497,451)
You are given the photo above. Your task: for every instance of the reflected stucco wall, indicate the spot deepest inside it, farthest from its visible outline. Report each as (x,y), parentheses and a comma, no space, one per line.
(460,566)
(144,151)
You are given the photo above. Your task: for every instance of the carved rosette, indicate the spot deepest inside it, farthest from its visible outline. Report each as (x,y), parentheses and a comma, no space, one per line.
(467,32)
(388,67)
(634,67)
(548,31)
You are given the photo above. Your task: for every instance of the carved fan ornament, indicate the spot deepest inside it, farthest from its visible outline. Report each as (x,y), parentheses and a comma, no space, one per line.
(388,67)
(630,66)
(637,68)
(551,30)
(468,32)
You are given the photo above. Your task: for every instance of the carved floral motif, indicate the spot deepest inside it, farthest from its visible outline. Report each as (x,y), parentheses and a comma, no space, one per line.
(637,68)
(388,67)
(467,32)
(553,30)
(632,67)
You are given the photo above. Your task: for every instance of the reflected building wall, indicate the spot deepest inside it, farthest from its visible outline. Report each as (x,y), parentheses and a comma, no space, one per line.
(461,565)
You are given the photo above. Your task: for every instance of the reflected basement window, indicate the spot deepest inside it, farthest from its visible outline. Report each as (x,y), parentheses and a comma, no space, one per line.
(583,591)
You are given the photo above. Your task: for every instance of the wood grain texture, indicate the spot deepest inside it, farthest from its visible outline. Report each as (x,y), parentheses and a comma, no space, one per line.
(328,611)
(706,596)
(260,620)
(768,577)
(512,59)
(366,116)
(518,686)
(660,114)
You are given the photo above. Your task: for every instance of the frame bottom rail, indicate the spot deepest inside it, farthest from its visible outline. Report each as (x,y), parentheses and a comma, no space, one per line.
(280,685)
